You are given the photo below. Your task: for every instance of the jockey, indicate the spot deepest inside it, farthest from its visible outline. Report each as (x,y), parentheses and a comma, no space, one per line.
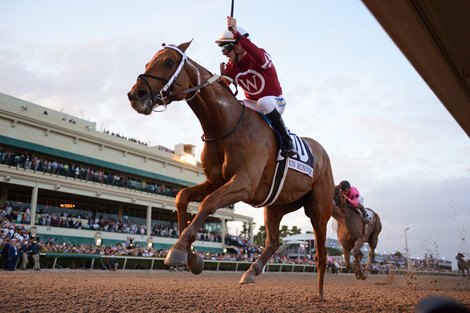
(353,198)
(252,69)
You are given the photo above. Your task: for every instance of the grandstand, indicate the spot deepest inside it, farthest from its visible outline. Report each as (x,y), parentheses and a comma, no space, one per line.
(68,181)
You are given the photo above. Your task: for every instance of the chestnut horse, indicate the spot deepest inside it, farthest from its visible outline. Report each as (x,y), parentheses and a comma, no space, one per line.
(352,232)
(238,159)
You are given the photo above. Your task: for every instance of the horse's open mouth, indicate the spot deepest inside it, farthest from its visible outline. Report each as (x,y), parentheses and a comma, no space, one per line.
(142,107)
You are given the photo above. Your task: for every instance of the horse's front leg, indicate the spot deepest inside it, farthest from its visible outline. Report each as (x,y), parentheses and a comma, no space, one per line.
(184,255)
(357,254)
(347,258)
(229,193)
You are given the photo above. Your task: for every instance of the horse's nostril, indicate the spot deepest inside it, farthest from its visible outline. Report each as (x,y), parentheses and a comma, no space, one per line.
(130,96)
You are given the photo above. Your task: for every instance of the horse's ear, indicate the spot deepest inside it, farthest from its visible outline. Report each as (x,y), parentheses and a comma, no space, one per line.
(185,45)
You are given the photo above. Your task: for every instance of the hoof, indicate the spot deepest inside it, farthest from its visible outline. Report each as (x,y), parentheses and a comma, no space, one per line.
(247,278)
(176,257)
(196,266)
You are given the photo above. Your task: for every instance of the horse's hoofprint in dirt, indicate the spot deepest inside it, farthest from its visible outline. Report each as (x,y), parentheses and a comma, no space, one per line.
(51,291)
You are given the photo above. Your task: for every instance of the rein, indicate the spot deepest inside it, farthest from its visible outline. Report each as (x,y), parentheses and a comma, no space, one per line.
(231,132)
(164,93)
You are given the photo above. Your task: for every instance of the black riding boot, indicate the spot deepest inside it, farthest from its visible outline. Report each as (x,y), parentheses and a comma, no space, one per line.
(288,149)
(364,213)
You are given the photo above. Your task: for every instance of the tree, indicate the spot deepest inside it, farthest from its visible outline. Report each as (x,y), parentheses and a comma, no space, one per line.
(295,230)
(260,238)
(284,231)
(245,230)
(398,254)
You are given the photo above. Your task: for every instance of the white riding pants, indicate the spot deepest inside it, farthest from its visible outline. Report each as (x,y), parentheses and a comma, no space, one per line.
(267,104)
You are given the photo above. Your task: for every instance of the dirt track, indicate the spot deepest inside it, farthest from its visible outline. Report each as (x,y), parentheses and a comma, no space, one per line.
(162,291)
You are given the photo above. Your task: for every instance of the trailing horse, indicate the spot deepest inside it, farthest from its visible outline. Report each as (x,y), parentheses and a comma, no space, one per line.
(352,232)
(239,159)
(462,264)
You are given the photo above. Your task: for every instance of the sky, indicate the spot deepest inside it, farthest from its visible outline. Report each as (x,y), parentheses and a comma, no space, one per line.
(346,83)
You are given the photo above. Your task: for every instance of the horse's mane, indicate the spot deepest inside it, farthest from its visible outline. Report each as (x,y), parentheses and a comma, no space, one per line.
(219,82)
(338,210)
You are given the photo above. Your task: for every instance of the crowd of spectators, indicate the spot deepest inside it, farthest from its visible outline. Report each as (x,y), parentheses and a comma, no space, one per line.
(107,132)
(13,235)
(57,217)
(17,235)
(27,161)
(13,229)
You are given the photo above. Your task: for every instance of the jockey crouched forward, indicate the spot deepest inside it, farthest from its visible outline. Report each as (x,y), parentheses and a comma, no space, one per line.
(252,69)
(353,198)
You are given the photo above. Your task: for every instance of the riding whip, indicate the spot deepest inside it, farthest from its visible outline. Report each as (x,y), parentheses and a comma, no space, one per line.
(231,13)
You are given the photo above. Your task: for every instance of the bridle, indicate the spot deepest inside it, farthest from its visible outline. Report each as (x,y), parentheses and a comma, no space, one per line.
(162,97)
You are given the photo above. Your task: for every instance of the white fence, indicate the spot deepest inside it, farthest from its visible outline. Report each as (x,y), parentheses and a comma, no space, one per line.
(95,261)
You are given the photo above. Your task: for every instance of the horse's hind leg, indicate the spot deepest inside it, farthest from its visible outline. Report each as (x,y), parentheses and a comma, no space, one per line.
(373,240)
(272,220)
(319,208)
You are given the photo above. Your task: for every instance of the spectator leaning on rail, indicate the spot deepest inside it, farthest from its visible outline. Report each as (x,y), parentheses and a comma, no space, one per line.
(252,69)
(353,198)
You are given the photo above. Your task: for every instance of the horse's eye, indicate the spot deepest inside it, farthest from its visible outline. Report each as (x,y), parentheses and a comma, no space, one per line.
(169,63)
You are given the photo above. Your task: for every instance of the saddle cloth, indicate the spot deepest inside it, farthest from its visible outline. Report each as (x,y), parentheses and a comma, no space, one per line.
(302,162)
(370,216)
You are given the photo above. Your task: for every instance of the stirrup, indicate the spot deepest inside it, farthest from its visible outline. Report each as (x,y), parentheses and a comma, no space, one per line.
(288,149)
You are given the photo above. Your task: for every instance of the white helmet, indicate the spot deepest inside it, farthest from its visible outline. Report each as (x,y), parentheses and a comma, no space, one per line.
(227,37)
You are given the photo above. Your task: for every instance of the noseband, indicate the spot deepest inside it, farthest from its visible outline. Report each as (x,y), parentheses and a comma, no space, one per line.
(161,97)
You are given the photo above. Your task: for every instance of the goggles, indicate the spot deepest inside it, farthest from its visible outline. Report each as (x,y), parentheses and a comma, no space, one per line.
(227,48)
